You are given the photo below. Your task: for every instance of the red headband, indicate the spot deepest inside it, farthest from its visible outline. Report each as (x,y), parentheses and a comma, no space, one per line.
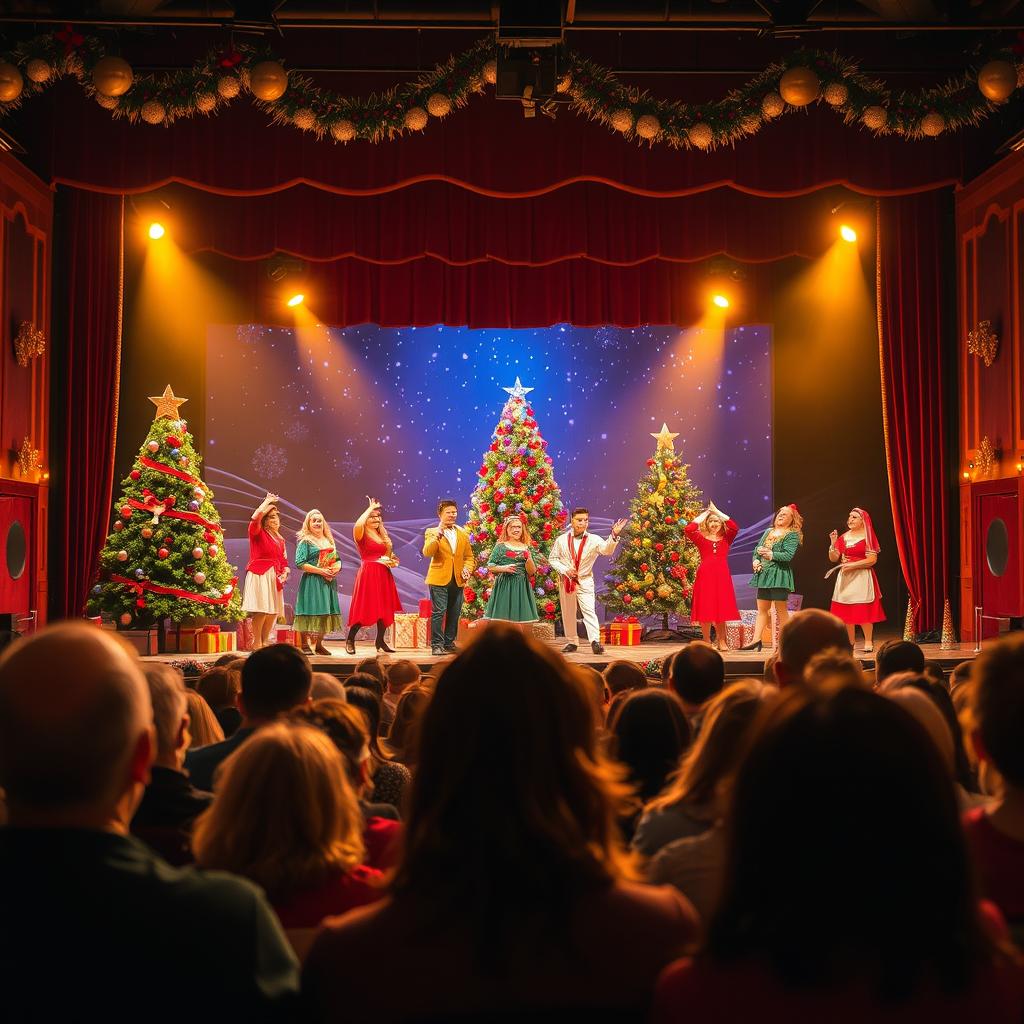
(794,508)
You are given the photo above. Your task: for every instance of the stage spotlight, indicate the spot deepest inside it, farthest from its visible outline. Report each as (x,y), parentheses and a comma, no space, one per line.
(157,230)
(847,234)
(720,300)
(296,300)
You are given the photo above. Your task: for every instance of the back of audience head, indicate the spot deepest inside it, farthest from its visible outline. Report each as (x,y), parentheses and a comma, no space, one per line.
(806,633)
(818,777)
(597,689)
(624,675)
(768,672)
(275,679)
(345,726)
(698,673)
(203,727)
(305,824)
(372,667)
(650,733)
(403,737)
(895,656)
(401,674)
(170,713)
(368,704)
(514,809)
(230,660)
(325,685)
(834,667)
(666,669)
(365,681)
(933,670)
(708,766)
(75,746)
(997,708)
(221,687)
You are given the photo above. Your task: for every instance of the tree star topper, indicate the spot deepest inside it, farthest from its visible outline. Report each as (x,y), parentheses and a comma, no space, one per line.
(518,391)
(166,404)
(665,438)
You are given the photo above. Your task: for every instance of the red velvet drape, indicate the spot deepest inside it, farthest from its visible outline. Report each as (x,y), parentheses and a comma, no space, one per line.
(912,241)
(95,273)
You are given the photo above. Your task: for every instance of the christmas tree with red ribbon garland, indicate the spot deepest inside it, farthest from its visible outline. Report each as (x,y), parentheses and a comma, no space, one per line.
(654,571)
(164,557)
(515,477)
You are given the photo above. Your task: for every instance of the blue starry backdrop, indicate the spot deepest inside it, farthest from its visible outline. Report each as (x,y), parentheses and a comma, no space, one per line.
(325,416)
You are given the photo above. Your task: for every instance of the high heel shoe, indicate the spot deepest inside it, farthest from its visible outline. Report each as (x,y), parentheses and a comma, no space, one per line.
(383,647)
(350,648)
(756,646)
(322,651)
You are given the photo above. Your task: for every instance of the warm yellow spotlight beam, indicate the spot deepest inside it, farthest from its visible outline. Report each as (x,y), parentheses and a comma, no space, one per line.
(720,301)
(296,300)
(847,233)
(157,230)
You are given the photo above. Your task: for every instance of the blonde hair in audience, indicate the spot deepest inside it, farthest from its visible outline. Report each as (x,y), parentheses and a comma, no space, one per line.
(203,726)
(834,667)
(284,815)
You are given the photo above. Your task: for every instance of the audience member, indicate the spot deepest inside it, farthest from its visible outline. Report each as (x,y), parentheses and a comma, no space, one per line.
(768,672)
(230,660)
(598,691)
(996,834)
(695,797)
(374,667)
(170,802)
(403,737)
(94,925)
(390,779)
(401,675)
(833,664)
(698,673)
(649,734)
(513,896)
(816,923)
(203,728)
(346,728)
(275,679)
(367,681)
(936,673)
(220,688)
(624,675)
(302,840)
(895,656)
(324,686)
(665,670)
(806,633)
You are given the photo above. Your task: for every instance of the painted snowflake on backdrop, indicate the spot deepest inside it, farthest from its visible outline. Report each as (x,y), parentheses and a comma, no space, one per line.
(269,461)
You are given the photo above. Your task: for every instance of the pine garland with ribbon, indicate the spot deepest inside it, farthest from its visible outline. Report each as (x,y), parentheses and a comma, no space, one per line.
(802,78)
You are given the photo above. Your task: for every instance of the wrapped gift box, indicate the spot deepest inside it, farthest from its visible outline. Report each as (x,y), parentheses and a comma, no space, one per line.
(246,635)
(184,639)
(285,635)
(606,634)
(407,631)
(208,640)
(423,634)
(227,640)
(426,608)
(143,640)
(544,631)
(738,634)
(625,634)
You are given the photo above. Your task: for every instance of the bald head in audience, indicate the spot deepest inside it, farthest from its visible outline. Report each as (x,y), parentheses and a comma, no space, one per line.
(76,730)
(806,634)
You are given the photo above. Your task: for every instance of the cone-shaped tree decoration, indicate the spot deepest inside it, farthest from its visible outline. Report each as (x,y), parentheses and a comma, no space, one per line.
(908,623)
(516,477)
(164,557)
(948,639)
(654,570)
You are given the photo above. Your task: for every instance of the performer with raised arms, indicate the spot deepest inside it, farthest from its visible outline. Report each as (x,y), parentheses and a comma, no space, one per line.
(572,557)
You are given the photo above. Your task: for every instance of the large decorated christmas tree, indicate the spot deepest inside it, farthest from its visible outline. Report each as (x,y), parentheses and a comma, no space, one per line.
(653,573)
(164,557)
(515,477)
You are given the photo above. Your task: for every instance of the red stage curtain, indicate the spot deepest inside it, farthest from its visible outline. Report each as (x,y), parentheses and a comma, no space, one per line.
(94,275)
(912,240)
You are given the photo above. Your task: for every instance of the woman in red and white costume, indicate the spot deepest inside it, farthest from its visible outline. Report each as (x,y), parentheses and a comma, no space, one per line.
(263,597)
(857,598)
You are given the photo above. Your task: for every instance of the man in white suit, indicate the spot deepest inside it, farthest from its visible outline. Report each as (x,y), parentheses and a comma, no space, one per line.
(572,557)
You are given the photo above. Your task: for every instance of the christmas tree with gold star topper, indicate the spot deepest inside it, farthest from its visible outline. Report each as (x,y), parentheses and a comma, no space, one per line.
(654,570)
(516,478)
(164,557)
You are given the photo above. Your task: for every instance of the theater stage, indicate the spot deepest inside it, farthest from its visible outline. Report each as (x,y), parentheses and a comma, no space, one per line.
(738,664)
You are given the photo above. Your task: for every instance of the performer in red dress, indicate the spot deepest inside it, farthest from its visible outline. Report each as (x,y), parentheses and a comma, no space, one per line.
(374,596)
(714,597)
(265,575)
(857,598)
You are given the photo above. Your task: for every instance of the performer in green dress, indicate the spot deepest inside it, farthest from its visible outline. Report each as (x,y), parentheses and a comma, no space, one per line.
(773,574)
(511,562)
(317,611)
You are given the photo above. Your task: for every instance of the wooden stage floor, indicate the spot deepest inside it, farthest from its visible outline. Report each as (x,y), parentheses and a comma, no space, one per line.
(737,663)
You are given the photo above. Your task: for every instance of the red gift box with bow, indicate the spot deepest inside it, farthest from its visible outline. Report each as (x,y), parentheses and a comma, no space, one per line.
(625,631)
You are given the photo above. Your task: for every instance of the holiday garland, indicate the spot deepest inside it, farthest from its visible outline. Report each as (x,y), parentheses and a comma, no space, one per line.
(803,77)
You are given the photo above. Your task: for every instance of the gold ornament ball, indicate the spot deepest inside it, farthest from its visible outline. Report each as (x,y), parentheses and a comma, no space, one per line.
(750,124)
(268,81)
(153,112)
(343,130)
(490,72)
(205,102)
(701,136)
(933,124)
(772,105)
(11,82)
(439,105)
(647,126)
(876,118)
(664,591)
(415,119)
(125,618)
(564,83)
(228,86)
(113,76)
(799,86)
(622,119)
(304,119)
(835,94)
(997,79)
(38,70)
(107,102)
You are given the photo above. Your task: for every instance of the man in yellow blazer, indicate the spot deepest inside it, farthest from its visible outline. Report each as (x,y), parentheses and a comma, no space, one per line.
(451,562)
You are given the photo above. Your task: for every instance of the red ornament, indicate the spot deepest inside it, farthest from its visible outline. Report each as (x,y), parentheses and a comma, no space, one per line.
(531,461)
(643,567)
(482,471)
(168,540)
(172,441)
(627,598)
(659,547)
(485,506)
(140,602)
(649,594)
(135,474)
(669,520)
(126,511)
(674,556)
(163,553)
(650,462)
(118,526)
(469,594)
(549,608)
